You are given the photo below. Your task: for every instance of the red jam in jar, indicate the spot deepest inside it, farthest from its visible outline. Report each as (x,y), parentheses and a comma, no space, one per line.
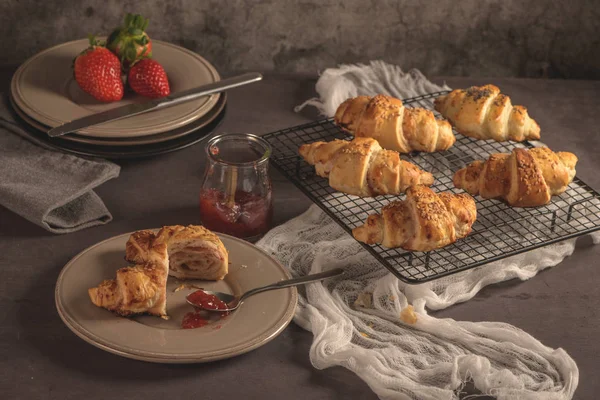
(236,195)
(249,215)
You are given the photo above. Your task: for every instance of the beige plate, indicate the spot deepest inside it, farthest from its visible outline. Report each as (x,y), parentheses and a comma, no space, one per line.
(260,319)
(158,138)
(44,88)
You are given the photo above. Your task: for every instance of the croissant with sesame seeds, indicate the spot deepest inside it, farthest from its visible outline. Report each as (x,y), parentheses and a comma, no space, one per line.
(482,112)
(424,221)
(362,168)
(185,252)
(194,251)
(523,178)
(136,289)
(394,126)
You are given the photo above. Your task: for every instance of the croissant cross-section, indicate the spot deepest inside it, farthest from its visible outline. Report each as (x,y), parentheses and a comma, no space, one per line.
(194,251)
(190,252)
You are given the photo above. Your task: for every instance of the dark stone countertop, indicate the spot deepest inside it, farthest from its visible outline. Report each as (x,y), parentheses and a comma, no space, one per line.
(41,358)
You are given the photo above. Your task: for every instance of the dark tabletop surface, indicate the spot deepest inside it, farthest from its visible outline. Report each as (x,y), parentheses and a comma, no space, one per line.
(41,358)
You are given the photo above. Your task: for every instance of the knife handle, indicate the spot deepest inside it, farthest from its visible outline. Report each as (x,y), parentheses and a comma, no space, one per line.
(211,88)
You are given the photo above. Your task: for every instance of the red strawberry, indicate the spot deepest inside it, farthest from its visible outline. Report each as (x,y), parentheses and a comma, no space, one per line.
(148,78)
(98,72)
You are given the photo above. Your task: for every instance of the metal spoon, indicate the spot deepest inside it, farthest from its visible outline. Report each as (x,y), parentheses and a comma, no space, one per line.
(234,302)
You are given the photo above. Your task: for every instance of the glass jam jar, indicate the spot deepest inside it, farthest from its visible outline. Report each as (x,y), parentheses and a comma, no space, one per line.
(236,194)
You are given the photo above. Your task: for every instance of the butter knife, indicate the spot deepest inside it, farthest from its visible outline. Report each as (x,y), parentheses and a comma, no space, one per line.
(156,104)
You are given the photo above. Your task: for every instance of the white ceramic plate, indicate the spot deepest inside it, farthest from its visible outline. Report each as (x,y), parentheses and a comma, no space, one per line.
(260,319)
(44,88)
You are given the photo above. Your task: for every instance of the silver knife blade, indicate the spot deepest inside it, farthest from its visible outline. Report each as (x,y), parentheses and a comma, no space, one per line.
(168,101)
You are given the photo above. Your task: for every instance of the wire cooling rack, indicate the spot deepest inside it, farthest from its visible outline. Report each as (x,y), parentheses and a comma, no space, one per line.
(500,230)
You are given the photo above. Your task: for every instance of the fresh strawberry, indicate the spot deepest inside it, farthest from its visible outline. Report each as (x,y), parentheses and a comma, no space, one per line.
(129,42)
(98,72)
(148,78)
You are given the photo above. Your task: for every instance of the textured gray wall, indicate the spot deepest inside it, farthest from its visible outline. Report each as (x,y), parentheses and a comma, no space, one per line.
(462,37)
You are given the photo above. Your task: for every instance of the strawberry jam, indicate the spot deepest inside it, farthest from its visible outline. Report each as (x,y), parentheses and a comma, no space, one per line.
(199,318)
(194,319)
(206,300)
(236,194)
(248,215)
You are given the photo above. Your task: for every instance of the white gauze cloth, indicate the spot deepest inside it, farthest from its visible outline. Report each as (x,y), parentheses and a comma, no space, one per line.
(356,320)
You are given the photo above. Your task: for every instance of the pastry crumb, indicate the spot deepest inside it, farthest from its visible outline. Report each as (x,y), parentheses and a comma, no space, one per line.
(364,300)
(408,315)
(180,287)
(186,286)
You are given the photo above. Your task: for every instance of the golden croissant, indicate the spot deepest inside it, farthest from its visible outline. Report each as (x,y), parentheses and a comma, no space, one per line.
(523,178)
(137,289)
(194,251)
(424,221)
(362,168)
(484,113)
(191,252)
(394,126)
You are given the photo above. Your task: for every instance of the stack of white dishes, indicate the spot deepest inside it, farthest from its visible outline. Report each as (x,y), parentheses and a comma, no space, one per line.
(44,95)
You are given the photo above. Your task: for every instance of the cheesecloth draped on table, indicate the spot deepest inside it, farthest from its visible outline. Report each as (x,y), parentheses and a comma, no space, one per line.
(432,358)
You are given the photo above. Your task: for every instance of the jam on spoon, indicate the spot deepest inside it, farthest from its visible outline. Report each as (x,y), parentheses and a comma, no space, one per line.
(197,318)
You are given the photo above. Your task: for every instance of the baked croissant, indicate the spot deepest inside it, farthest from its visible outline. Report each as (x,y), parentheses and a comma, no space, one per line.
(184,252)
(138,289)
(194,251)
(394,126)
(523,178)
(362,168)
(424,221)
(484,113)
(139,247)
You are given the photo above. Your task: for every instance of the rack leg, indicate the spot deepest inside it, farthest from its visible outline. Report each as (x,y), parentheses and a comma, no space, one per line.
(570,212)
(427,256)
(298,168)
(553,223)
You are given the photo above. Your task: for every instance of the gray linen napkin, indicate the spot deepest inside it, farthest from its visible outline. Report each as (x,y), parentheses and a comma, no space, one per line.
(50,188)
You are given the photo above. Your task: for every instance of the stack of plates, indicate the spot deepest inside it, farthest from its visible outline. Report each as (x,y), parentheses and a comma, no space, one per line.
(44,95)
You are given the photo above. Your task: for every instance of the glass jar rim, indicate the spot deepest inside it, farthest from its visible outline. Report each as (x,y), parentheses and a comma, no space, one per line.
(239,136)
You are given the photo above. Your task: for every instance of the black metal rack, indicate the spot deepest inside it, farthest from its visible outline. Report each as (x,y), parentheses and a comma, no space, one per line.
(500,230)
